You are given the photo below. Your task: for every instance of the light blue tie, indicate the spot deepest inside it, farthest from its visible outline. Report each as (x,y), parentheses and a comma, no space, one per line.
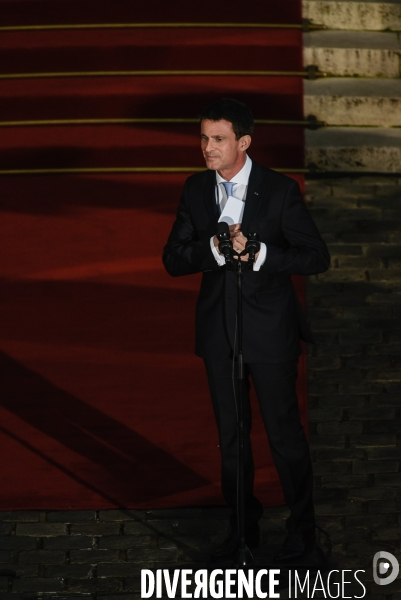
(228,185)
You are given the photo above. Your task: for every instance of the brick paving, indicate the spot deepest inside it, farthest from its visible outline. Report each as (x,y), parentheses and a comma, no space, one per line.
(354,399)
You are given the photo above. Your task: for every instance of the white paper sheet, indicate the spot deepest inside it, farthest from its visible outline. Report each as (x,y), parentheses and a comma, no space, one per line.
(233,211)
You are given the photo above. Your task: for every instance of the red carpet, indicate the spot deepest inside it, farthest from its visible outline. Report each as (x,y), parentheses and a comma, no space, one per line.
(96,340)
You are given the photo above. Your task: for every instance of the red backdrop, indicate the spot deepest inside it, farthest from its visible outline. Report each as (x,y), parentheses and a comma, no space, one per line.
(103,402)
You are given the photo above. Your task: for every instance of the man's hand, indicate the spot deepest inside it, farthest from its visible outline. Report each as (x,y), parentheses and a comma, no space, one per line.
(238,239)
(233,230)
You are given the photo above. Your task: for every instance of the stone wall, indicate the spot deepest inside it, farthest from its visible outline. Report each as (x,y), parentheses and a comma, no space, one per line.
(355,308)
(360,97)
(355,367)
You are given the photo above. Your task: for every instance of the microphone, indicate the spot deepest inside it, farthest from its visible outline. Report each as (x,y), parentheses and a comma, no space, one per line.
(225,243)
(253,244)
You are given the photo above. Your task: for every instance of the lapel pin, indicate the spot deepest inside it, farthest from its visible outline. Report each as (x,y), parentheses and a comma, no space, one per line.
(256,194)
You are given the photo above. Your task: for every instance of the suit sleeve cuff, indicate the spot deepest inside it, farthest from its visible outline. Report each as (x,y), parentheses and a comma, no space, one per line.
(219,257)
(261,258)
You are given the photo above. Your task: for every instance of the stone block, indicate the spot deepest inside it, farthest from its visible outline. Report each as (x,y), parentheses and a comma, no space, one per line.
(385,298)
(382,427)
(14,542)
(122,514)
(94,529)
(388,479)
(341,401)
(331,468)
(150,527)
(366,520)
(174,513)
(335,428)
(354,149)
(334,323)
(372,441)
(315,388)
(362,336)
(93,556)
(338,375)
(340,454)
(345,249)
(342,350)
(151,555)
(94,585)
(364,237)
(368,494)
(360,262)
(325,338)
(385,275)
(384,453)
(344,481)
(388,506)
(40,529)
(320,414)
(362,549)
(125,542)
(337,508)
(384,250)
(371,413)
(20,516)
(385,324)
(5,528)
(375,466)
(365,388)
(68,571)
(356,16)
(384,400)
(387,533)
(120,569)
(356,102)
(327,441)
(37,584)
(67,543)
(69,516)
(366,54)
(49,557)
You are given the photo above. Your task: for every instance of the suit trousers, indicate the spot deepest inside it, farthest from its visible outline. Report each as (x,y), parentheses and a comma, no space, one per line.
(275,386)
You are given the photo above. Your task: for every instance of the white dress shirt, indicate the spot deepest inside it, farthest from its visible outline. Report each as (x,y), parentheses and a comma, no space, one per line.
(240,189)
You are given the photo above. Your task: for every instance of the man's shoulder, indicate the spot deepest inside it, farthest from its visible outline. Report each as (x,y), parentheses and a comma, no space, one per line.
(272,177)
(201,176)
(198,182)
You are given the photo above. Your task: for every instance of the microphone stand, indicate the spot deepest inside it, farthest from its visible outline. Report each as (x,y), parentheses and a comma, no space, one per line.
(244,557)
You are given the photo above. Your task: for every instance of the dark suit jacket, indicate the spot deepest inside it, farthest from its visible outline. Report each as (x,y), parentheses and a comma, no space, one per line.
(273,320)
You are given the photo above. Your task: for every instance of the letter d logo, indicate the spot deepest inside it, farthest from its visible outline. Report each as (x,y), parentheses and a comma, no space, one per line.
(381,568)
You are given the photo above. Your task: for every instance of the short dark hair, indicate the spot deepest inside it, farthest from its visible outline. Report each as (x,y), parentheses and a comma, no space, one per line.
(233,111)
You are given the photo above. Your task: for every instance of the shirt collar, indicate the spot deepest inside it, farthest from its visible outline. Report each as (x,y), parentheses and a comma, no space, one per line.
(242,176)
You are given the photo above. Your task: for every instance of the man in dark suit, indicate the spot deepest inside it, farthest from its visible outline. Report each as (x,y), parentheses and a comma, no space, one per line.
(273,321)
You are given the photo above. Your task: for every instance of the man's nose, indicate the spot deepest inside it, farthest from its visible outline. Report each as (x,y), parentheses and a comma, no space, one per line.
(209,146)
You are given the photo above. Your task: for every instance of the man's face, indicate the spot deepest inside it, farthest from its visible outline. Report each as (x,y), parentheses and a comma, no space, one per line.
(222,152)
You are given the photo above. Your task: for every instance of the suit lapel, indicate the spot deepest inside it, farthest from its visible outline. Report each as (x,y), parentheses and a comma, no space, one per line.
(209,196)
(254,197)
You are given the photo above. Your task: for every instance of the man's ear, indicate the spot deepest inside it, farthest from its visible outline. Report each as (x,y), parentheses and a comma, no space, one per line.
(245,142)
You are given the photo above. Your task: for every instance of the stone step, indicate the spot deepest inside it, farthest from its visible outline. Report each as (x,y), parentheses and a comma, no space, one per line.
(349,101)
(371,15)
(354,149)
(350,53)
